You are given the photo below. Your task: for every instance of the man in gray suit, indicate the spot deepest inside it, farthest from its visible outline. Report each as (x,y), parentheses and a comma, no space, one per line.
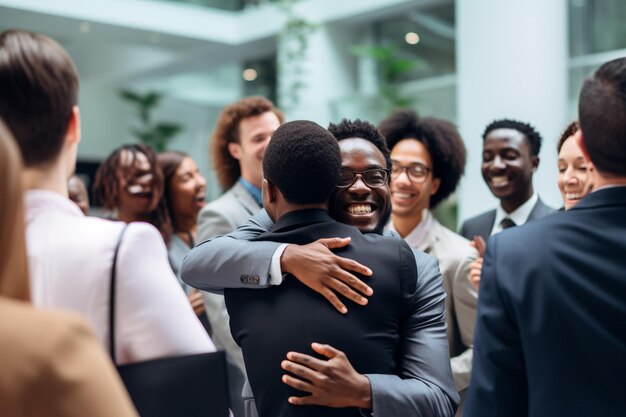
(231,261)
(237,146)
(510,158)
(427,161)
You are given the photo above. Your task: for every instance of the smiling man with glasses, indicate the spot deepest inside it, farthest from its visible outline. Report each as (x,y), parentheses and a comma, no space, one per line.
(427,161)
(422,381)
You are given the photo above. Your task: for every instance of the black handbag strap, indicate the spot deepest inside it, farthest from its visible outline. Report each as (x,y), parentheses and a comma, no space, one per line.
(112,296)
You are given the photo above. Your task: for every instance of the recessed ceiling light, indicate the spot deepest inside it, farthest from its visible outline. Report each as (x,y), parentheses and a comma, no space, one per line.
(84,27)
(249,74)
(412,38)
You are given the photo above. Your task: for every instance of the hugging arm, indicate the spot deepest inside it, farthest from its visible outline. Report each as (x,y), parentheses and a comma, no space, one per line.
(423,385)
(232,261)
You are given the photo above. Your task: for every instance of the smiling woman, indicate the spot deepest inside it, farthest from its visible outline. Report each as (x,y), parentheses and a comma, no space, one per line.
(130,183)
(183,195)
(575,178)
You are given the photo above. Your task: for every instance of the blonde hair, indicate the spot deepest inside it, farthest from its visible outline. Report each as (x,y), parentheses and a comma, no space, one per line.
(13,261)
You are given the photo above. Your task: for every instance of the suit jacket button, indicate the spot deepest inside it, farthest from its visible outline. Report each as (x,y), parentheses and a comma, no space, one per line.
(255,279)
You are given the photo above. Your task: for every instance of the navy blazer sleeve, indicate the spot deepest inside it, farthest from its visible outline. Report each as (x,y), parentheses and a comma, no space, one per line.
(499,385)
(221,262)
(423,385)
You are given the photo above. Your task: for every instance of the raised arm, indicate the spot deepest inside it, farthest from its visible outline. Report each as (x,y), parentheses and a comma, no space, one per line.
(232,261)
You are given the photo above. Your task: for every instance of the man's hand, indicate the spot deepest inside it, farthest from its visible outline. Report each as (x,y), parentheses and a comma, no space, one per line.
(476,269)
(326,273)
(332,382)
(196,301)
(479,243)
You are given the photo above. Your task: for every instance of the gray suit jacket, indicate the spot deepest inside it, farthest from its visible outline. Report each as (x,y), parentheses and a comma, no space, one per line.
(219,217)
(225,214)
(482,224)
(231,261)
(455,255)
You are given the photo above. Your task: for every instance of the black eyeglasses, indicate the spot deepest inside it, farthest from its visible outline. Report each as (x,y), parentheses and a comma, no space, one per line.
(416,172)
(373,178)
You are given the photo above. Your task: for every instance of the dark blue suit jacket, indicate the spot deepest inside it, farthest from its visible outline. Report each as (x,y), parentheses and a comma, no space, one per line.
(482,224)
(550,338)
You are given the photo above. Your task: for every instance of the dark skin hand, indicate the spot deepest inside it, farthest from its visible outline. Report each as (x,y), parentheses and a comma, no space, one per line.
(331,383)
(326,273)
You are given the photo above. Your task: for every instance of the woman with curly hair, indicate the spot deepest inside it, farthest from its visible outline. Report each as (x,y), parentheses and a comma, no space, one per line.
(129,183)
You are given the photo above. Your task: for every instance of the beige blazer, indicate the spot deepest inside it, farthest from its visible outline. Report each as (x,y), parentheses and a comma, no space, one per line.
(455,256)
(52,365)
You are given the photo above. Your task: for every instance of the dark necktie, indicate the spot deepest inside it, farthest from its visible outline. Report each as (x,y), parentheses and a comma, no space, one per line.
(506,223)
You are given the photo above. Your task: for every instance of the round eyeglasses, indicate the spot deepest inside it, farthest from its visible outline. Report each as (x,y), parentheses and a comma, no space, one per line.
(416,172)
(373,178)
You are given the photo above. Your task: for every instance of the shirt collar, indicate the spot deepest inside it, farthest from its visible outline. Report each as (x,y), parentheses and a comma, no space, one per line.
(254,191)
(519,216)
(43,200)
(417,235)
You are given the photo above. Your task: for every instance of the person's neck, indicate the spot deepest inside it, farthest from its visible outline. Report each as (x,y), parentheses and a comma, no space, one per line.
(406,224)
(132,217)
(253,181)
(185,225)
(53,178)
(289,208)
(512,204)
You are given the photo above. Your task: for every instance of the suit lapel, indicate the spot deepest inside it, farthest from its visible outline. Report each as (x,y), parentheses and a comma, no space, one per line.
(484,229)
(245,199)
(431,237)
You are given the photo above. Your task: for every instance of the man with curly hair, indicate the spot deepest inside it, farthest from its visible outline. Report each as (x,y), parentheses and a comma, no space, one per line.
(427,161)
(510,158)
(242,133)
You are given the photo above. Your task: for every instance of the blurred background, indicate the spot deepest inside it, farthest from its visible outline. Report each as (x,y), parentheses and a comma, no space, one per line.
(160,71)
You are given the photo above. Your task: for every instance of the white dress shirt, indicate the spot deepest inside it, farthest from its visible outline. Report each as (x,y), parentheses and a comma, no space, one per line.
(519,216)
(70,258)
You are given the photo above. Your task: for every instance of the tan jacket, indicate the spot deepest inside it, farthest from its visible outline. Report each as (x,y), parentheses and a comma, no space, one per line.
(455,255)
(52,365)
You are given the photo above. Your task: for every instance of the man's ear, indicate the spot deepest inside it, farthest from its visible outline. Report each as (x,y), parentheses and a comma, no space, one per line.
(435,186)
(270,190)
(535,161)
(578,137)
(72,135)
(235,150)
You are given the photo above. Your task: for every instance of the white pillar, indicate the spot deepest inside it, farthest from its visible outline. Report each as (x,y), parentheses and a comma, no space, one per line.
(328,74)
(511,62)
